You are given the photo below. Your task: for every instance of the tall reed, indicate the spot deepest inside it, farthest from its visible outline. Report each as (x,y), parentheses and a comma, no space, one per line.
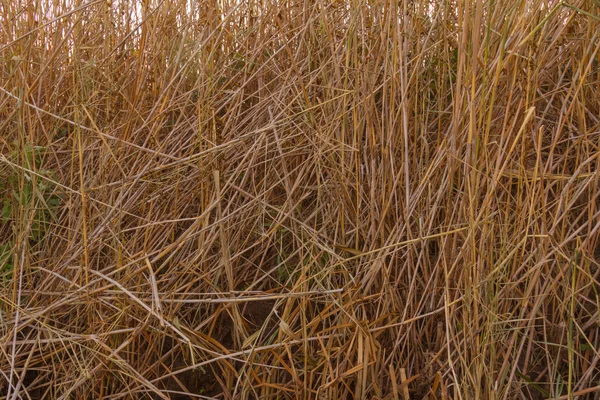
(299,199)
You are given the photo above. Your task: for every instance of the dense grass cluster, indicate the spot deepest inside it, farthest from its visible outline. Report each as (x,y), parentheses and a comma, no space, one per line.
(303,199)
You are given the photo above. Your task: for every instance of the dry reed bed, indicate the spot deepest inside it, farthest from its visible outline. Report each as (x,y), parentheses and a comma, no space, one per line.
(317,200)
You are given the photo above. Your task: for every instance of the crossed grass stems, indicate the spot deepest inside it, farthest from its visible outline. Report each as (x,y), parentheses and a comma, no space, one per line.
(299,200)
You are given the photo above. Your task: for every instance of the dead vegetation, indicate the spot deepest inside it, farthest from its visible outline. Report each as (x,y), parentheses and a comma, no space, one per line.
(299,199)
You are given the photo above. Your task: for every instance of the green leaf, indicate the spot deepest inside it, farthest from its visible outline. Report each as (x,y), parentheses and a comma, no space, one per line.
(586,346)
(6,210)
(26,194)
(5,263)
(54,201)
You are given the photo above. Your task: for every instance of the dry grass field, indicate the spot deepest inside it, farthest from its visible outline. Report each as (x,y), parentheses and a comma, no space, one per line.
(300,199)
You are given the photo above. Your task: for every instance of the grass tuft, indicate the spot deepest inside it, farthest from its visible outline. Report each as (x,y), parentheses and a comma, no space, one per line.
(300,199)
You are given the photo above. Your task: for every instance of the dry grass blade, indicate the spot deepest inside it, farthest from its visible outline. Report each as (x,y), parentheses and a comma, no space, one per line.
(299,199)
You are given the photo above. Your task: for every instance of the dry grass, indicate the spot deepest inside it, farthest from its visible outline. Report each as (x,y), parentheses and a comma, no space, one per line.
(300,199)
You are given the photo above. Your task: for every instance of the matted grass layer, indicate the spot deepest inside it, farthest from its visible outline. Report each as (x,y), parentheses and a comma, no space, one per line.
(364,199)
